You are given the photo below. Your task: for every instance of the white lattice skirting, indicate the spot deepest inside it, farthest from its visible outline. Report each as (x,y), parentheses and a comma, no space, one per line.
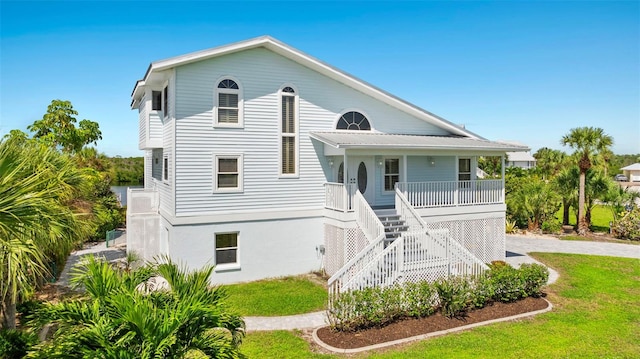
(342,244)
(484,238)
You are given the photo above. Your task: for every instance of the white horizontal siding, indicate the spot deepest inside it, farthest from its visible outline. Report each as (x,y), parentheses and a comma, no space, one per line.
(155,128)
(166,188)
(420,170)
(261,73)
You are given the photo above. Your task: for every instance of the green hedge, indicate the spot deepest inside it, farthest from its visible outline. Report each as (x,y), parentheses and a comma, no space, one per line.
(453,296)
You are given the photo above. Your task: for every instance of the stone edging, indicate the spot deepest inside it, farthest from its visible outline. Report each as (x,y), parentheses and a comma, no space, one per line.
(424,336)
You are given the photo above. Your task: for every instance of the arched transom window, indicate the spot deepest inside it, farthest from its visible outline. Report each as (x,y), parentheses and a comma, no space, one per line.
(228,100)
(354,121)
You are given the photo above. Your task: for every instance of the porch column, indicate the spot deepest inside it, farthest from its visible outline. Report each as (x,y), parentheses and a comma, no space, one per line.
(502,168)
(404,169)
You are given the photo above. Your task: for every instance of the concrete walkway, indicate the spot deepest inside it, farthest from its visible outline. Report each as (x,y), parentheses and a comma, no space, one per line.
(517,248)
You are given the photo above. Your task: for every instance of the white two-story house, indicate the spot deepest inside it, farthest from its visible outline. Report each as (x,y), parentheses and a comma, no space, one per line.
(266,162)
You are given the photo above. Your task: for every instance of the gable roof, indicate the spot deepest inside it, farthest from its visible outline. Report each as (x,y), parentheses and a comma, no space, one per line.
(307,61)
(374,140)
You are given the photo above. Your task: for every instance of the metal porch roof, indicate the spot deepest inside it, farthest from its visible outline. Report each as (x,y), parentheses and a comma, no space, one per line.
(373,140)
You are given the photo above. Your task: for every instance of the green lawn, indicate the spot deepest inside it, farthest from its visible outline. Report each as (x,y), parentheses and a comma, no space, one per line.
(596,315)
(278,296)
(600,218)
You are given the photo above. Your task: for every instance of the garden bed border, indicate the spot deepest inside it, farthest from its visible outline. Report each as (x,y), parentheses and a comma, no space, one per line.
(328,347)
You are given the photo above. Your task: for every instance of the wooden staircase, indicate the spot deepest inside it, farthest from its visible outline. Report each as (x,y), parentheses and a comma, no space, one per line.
(393,225)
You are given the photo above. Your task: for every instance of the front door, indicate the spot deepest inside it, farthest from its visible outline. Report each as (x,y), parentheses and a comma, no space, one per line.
(361,173)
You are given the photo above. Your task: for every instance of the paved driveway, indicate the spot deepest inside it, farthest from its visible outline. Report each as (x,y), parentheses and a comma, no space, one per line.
(522,245)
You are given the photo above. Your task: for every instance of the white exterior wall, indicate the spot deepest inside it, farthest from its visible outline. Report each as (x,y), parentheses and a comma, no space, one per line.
(148,160)
(266,248)
(261,73)
(142,124)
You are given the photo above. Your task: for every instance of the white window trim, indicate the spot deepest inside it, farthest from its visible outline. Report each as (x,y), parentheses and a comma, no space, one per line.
(227,266)
(296,134)
(384,172)
(163,101)
(216,100)
(240,188)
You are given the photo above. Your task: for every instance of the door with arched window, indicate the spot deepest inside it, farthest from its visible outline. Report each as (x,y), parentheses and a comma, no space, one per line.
(361,174)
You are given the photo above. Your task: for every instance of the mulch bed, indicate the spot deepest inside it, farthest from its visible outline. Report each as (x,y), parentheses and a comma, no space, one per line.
(407,328)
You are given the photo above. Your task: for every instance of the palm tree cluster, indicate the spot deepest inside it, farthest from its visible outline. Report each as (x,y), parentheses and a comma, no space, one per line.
(121,318)
(560,180)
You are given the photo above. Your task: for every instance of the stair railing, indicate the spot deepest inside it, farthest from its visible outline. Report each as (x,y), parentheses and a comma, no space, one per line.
(461,261)
(374,231)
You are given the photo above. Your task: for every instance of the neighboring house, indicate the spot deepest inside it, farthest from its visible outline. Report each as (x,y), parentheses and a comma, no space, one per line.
(632,172)
(267,162)
(520,159)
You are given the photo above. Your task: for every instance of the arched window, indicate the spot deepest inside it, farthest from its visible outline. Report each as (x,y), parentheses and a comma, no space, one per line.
(354,121)
(288,131)
(228,111)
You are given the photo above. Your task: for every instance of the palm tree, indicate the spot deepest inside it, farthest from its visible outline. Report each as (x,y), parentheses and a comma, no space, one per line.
(36,225)
(549,162)
(121,319)
(587,143)
(565,184)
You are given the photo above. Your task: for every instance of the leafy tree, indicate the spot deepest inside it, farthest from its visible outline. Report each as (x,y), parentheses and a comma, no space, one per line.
(122,319)
(58,128)
(36,223)
(587,143)
(491,165)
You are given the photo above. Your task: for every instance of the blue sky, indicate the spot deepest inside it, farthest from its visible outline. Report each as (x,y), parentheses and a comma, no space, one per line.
(523,71)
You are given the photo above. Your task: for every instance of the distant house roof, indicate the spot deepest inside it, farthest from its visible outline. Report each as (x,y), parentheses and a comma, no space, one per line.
(154,75)
(373,140)
(633,167)
(520,157)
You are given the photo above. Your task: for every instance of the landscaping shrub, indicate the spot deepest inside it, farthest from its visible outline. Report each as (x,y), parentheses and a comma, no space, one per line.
(551,226)
(511,227)
(454,296)
(534,277)
(16,343)
(420,299)
(628,227)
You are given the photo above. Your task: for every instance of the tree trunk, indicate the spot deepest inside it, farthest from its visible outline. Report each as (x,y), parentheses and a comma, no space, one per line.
(565,212)
(8,313)
(583,227)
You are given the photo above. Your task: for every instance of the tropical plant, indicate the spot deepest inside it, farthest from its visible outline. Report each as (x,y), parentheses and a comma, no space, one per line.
(566,185)
(549,162)
(587,143)
(532,203)
(36,223)
(123,318)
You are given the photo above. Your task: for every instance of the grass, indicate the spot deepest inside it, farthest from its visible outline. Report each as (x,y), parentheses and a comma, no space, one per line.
(600,218)
(275,297)
(596,315)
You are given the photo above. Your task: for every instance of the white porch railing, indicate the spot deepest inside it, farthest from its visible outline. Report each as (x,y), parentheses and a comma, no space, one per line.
(452,193)
(374,231)
(141,200)
(460,260)
(339,197)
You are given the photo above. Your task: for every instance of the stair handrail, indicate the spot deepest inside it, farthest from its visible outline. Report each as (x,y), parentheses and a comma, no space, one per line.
(453,247)
(374,231)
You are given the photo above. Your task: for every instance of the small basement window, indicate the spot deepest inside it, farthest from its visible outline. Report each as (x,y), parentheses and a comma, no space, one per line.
(226,248)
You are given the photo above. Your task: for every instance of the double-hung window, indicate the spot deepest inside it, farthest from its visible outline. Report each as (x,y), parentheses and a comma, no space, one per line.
(391,173)
(228,173)
(288,131)
(228,110)
(226,249)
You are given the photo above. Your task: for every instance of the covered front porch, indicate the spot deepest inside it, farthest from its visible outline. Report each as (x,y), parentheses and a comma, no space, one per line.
(430,171)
